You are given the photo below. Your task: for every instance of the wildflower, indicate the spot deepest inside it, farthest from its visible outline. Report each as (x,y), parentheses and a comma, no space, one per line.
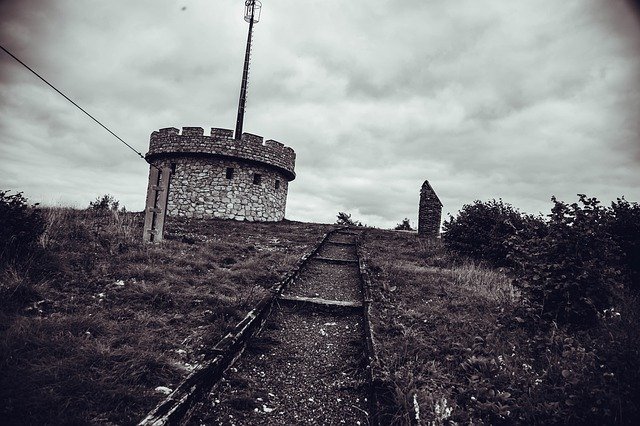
(442,411)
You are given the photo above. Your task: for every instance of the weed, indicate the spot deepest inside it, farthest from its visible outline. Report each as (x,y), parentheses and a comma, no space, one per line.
(20,227)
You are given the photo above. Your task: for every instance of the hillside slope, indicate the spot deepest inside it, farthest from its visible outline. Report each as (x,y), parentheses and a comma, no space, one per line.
(455,346)
(93,323)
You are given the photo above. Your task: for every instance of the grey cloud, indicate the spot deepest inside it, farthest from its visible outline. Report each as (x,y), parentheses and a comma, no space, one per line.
(519,100)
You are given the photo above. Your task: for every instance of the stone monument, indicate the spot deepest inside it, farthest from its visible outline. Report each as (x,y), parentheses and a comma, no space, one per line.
(429,212)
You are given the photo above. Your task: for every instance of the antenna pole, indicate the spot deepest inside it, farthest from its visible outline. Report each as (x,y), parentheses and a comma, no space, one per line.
(245,75)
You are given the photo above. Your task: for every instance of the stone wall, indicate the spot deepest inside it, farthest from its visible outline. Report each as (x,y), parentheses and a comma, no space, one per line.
(220,142)
(429,212)
(218,176)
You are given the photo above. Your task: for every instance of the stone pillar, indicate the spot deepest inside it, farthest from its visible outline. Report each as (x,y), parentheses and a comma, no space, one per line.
(429,212)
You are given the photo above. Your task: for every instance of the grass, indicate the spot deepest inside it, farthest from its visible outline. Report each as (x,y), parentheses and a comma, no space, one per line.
(456,349)
(92,321)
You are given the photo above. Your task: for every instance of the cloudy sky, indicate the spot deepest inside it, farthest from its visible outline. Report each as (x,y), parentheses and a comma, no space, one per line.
(518,100)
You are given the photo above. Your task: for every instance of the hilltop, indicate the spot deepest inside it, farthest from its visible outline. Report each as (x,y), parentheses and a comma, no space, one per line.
(94,324)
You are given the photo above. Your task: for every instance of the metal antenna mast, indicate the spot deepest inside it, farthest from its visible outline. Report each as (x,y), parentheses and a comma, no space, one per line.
(252,10)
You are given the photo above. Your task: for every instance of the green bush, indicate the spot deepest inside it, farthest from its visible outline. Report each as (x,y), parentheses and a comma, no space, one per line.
(570,272)
(20,227)
(482,230)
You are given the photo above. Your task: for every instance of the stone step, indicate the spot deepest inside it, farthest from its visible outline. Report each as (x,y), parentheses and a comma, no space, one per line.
(332,260)
(340,243)
(321,302)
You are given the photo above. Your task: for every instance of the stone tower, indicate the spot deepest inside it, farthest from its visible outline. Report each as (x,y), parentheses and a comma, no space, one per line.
(429,212)
(217,176)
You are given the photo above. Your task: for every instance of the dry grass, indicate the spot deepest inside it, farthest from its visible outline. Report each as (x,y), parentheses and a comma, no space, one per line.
(94,321)
(454,348)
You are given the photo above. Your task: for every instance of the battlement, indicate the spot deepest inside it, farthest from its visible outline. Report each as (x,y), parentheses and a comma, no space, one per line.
(220,142)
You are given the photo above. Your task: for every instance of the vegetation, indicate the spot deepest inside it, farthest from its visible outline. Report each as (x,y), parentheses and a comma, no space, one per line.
(405,225)
(105,203)
(483,231)
(92,320)
(20,227)
(571,266)
(455,347)
(550,337)
(569,272)
(623,224)
(345,219)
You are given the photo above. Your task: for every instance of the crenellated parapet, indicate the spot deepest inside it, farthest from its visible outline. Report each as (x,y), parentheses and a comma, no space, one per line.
(220,143)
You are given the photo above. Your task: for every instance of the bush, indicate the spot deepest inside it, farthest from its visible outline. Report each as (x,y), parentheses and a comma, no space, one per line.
(624,227)
(345,219)
(105,203)
(20,227)
(569,273)
(482,230)
(405,225)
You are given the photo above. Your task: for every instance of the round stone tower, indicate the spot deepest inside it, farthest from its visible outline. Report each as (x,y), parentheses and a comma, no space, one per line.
(218,176)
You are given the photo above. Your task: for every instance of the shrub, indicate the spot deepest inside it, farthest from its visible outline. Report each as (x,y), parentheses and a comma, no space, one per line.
(20,227)
(17,290)
(624,227)
(345,219)
(569,272)
(105,203)
(482,230)
(405,225)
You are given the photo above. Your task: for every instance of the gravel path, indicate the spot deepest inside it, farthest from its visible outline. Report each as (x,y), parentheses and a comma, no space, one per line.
(302,370)
(327,281)
(305,367)
(343,238)
(335,251)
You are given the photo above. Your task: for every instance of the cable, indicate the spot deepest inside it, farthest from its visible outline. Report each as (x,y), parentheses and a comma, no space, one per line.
(77,106)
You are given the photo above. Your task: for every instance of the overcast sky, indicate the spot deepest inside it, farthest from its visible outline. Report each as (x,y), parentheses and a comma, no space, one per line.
(518,100)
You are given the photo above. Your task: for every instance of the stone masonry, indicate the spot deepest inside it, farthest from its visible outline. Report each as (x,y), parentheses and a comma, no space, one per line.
(429,212)
(218,176)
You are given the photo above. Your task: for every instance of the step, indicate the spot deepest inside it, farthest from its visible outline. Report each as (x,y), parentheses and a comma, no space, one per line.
(331,260)
(321,302)
(340,243)
(347,233)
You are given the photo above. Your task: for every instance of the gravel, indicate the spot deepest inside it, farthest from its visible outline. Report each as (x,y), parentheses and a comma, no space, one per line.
(304,368)
(335,251)
(343,238)
(328,281)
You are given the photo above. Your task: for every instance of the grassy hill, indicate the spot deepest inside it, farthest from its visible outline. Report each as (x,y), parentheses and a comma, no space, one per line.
(92,322)
(455,346)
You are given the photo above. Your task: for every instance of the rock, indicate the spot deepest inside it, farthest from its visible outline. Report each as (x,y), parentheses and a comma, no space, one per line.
(163,390)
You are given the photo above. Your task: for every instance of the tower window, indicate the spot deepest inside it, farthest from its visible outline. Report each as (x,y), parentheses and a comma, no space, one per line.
(277,183)
(229,172)
(257,178)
